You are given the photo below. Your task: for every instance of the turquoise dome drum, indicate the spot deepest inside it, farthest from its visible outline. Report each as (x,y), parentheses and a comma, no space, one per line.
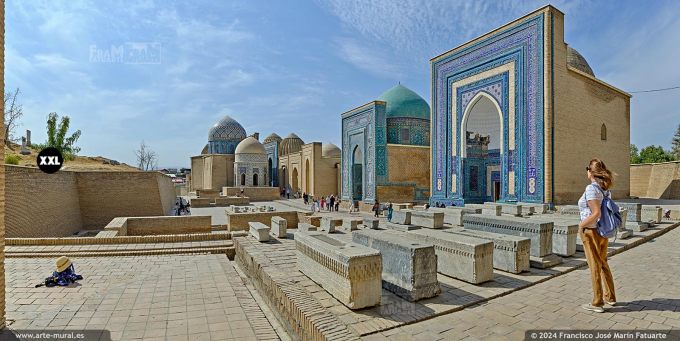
(408,117)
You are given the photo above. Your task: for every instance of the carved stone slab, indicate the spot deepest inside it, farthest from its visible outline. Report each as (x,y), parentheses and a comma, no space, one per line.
(372,222)
(402,217)
(279,227)
(348,271)
(510,254)
(409,269)
(466,258)
(350,224)
(329,224)
(429,219)
(260,231)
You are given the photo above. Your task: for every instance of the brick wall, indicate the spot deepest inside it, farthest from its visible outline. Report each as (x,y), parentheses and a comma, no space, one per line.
(2,169)
(582,105)
(656,180)
(239,221)
(106,195)
(254,193)
(409,164)
(144,226)
(40,204)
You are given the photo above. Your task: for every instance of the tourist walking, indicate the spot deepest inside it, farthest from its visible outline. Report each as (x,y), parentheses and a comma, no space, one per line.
(313,205)
(323,202)
(389,212)
(376,209)
(337,206)
(594,245)
(287,193)
(332,206)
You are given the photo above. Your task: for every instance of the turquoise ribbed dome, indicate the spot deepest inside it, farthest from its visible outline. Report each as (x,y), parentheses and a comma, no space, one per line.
(403,102)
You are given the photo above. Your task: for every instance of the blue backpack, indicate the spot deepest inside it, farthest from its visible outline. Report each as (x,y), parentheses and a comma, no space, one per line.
(610,217)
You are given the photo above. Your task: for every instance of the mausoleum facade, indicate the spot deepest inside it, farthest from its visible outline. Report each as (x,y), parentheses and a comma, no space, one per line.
(517,114)
(385,145)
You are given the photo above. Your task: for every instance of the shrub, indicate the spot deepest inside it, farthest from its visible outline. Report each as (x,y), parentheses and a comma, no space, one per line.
(12,159)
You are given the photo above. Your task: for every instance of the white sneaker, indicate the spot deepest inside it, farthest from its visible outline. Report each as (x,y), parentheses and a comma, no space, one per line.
(592,308)
(611,304)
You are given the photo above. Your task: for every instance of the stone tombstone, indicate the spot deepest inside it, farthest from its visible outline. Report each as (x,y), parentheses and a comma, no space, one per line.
(305,227)
(510,254)
(402,217)
(24,148)
(28,137)
(652,214)
(401,227)
(260,231)
(350,224)
(372,222)
(469,259)
(350,272)
(540,232)
(537,208)
(329,224)
(511,209)
(623,232)
(427,218)
(494,211)
(408,269)
(634,210)
(279,227)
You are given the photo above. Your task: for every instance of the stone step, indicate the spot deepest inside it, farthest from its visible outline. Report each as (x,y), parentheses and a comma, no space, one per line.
(117,248)
(227,250)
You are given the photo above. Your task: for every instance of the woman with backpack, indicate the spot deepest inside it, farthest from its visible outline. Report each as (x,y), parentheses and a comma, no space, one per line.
(595,245)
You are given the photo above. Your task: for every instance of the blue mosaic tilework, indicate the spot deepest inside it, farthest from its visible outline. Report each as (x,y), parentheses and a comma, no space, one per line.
(522,44)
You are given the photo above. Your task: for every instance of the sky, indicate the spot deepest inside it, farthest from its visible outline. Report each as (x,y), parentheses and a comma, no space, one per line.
(164,72)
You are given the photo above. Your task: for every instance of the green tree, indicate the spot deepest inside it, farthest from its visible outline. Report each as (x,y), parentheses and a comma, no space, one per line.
(634,155)
(56,136)
(675,144)
(654,154)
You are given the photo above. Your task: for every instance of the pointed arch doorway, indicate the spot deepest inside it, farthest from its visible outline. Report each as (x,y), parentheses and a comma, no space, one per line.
(481,149)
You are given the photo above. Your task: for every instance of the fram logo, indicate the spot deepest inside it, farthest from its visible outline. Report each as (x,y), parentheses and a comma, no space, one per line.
(50,160)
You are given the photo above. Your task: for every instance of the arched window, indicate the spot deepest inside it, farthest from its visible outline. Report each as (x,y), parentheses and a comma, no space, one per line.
(243,179)
(254,179)
(603,132)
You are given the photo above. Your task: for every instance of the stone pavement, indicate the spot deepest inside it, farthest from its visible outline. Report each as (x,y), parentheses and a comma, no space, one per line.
(646,279)
(171,297)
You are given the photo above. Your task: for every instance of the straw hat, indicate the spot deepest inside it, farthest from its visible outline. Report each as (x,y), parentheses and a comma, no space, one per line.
(63,263)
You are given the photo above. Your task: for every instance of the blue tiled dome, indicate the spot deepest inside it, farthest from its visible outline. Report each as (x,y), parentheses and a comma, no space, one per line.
(402,102)
(225,135)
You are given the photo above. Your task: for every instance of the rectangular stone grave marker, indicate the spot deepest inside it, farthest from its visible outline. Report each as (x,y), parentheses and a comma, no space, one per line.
(304,227)
(350,224)
(511,209)
(466,258)
(260,231)
(429,219)
(409,269)
(329,224)
(279,227)
(402,217)
(372,222)
(538,208)
(510,254)
(401,227)
(348,271)
(651,214)
(540,233)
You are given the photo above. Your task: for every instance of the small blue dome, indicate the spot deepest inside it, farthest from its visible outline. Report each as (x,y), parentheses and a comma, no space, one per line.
(227,129)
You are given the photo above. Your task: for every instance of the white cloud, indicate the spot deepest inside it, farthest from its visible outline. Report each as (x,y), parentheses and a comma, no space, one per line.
(370,59)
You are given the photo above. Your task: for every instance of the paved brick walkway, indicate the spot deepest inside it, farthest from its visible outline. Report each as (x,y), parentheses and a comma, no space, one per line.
(646,279)
(197,297)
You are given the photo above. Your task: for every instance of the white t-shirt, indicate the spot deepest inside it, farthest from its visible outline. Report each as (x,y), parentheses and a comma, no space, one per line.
(592,192)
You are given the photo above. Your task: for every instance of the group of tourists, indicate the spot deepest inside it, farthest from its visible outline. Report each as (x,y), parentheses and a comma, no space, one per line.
(182,207)
(329,203)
